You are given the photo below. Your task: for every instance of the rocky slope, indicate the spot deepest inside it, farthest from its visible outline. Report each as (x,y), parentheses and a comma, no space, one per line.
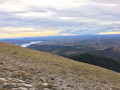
(26,69)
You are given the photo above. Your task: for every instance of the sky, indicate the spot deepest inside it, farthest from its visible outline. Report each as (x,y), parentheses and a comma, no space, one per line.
(26,18)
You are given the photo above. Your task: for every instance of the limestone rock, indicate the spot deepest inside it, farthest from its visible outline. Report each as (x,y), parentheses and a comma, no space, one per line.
(2,80)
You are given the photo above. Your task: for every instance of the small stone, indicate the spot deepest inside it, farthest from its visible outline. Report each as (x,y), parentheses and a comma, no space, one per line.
(52,78)
(15,89)
(28,85)
(7,85)
(29,81)
(46,89)
(33,88)
(70,86)
(45,84)
(42,79)
(14,85)
(61,81)
(3,79)
(9,79)
(22,88)
(21,81)
(29,78)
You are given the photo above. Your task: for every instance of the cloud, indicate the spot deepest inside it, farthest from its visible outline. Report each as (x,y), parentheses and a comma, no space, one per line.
(106,1)
(104,33)
(93,28)
(11,32)
(28,34)
(64,16)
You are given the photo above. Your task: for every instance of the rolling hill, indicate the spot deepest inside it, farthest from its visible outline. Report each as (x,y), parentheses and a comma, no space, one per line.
(27,69)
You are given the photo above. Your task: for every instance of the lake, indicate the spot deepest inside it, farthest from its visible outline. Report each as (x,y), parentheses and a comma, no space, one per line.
(28,44)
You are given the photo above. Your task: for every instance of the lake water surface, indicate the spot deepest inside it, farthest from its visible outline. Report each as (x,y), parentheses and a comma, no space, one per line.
(28,44)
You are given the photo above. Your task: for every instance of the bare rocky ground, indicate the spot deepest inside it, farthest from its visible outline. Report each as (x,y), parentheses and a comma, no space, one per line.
(14,75)
(17,75)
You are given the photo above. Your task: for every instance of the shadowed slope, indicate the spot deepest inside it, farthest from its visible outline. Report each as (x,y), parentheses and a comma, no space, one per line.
(98,61)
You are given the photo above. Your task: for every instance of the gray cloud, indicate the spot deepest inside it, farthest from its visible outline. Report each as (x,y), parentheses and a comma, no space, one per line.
(91,18)
(92,29)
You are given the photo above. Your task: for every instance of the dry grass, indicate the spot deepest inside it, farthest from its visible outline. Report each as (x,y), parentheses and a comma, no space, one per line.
(59,65)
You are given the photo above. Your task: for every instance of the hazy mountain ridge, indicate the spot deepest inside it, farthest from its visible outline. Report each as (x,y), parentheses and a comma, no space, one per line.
(34,70)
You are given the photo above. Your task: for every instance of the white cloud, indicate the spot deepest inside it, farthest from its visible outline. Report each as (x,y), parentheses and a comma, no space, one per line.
(12,6)
(35,14)
(69,16)
(53,3)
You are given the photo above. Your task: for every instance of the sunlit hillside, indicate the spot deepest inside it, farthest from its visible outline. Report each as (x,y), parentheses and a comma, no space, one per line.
(26,69)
